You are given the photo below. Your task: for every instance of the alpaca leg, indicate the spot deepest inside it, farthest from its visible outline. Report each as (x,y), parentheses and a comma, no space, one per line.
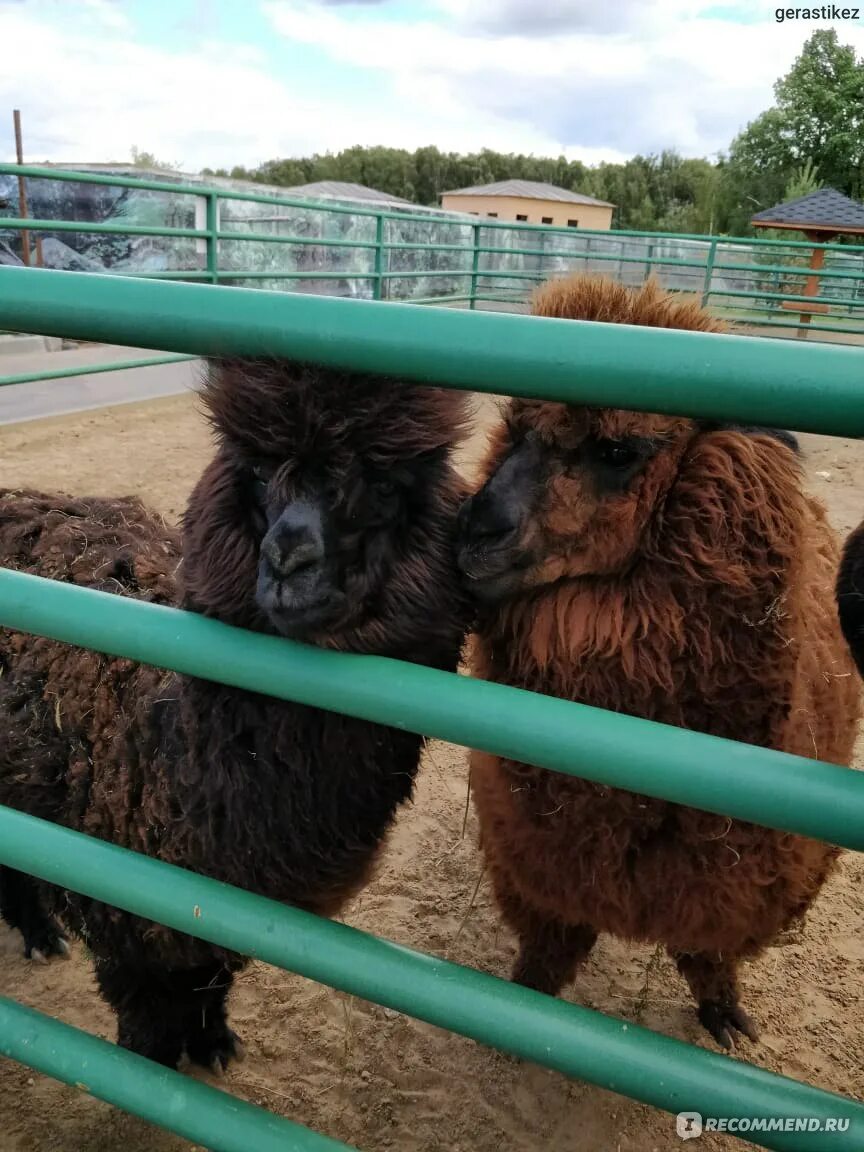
(713,981)
(161,1014)
(210,1041)
(22,908)
(550,951)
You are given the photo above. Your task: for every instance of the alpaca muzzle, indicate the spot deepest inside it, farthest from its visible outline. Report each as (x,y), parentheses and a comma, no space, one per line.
(295,588)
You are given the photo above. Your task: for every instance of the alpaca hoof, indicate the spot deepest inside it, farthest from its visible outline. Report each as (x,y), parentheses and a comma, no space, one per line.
(216,1051)
(724,1021)
(45,942)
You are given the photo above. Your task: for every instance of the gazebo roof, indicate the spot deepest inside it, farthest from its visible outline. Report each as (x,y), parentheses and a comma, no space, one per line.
(825,210)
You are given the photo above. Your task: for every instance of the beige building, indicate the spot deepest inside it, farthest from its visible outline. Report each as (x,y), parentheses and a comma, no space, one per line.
(531,202)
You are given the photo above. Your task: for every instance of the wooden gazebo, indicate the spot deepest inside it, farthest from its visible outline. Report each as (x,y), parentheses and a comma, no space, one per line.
(821,216)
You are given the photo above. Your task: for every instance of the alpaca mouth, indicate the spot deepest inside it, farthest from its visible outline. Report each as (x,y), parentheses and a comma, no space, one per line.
(302,623)
(299,608)
(490,573)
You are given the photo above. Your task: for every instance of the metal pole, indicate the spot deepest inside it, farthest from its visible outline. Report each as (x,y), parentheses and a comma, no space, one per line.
(705,375)
(578,1042)
(93,369)
(212,226)
(22,187)
(475,266)
(378,267)
(181,1104)
(709,273)
(748,783)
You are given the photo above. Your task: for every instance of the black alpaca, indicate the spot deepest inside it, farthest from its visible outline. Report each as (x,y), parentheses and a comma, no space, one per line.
(326,515)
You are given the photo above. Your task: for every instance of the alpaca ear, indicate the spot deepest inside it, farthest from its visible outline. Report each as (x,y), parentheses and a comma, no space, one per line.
(735,513)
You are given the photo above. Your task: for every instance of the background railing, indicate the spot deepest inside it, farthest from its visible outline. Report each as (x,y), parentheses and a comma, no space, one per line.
(711,376)
(179,231)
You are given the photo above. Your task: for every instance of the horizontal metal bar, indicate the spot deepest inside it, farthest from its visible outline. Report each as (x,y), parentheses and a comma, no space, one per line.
(98,229)
(845,323)
(801,270)
(193,274)
(705,375)
(92,369)
(694,237)
(456,273)
(333,274)
(766,294)
(299,241)
(757,784)
(617,1055)
(812,327)
(671,262)
(35,172)
(110,180)
(118,228)
(439,299)
(412,216)
(181,1104)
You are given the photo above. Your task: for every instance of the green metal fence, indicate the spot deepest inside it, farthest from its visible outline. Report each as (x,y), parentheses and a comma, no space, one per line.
(816,388)
(754,282)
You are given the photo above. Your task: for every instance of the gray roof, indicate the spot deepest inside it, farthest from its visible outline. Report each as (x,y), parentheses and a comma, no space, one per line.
(825,208)
(342,190)
(529,190)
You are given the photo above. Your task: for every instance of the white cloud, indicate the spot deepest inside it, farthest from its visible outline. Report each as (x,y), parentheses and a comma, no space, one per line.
(90,94)
(626,77)
(596,81)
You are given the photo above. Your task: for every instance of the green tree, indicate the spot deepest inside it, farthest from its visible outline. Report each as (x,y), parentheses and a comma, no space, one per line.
(817,119)
(803,181)
(142,159)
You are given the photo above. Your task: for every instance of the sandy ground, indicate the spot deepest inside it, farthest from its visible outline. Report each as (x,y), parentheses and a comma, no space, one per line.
(377,1079)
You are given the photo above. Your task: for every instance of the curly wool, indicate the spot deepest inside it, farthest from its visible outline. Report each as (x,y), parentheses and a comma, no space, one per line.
(723,623)
(288,801)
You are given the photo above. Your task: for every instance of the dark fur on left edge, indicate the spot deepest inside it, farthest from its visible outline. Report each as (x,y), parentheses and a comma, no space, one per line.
(288,801)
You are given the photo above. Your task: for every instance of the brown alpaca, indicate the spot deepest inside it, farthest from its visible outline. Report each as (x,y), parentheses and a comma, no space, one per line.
(676,571)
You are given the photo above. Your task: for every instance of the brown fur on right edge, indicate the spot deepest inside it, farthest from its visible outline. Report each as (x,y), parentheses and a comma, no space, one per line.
(652,566)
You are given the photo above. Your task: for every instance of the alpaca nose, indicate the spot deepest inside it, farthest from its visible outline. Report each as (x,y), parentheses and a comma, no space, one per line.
(286,560)
(295,543)
(489,523)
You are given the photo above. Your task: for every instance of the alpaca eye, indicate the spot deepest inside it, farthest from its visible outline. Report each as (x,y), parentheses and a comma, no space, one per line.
(615,454)
(260,475)
(384,488)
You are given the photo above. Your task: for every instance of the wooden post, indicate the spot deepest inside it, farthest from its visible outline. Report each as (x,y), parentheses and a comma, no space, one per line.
(22,187)
(811,288)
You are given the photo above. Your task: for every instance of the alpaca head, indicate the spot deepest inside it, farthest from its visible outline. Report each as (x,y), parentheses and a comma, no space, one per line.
(571,490)
(322,483)
(571,494)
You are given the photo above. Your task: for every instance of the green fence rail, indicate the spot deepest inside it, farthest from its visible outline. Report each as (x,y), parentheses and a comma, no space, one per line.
(704,375)
(220,1122)
(755,282)
(579,1042)
(756,784)
(92,369)
(814,389)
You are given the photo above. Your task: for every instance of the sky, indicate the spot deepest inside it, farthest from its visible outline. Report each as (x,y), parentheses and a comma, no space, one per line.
(224,82)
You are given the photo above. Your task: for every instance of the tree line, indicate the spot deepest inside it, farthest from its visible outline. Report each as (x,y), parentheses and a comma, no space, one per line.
(812,135)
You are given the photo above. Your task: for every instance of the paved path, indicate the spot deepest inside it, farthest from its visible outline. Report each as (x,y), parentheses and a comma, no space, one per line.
(38,399)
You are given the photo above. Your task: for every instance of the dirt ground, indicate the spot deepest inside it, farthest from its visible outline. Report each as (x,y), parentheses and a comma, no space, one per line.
(374,1078)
